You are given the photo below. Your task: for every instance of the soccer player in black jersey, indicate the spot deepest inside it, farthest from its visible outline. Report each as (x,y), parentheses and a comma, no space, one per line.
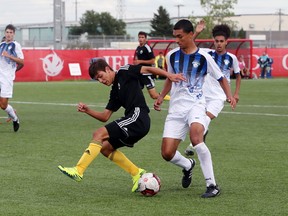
(125,92)
(144,56)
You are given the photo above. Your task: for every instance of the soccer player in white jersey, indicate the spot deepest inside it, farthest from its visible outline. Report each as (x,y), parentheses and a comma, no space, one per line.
(187,105)
(11,58)
(228,63)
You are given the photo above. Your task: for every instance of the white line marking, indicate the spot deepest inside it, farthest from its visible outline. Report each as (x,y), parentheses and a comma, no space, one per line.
(225,112)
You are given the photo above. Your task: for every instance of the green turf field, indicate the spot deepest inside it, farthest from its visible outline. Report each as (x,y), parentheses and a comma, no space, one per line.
(248,146)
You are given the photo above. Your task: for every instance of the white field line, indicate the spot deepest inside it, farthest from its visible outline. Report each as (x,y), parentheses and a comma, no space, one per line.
(225,112)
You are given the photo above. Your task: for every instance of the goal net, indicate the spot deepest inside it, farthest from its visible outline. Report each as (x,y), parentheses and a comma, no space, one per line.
(236,46)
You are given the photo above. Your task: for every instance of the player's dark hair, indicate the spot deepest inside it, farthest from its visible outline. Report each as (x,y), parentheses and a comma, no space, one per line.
(221,30)
(96,66)
(142,33)
(185,25)
(11,27)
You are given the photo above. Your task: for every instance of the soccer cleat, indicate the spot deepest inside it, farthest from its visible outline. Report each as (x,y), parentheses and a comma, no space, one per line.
(136,178)
(189,151)
(71,172)
(16,125)
(212,191)
(167,98)
(187,175)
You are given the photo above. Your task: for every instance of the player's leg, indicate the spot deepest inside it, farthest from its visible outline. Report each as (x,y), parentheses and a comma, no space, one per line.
(205,159)
(213,107)
(174,132)
(5,94)
(136,126)
(150,85)
(93,150)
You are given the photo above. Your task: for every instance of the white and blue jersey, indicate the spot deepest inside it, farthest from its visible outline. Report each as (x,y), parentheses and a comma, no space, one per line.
(8,66)
(194,67)
(228,63)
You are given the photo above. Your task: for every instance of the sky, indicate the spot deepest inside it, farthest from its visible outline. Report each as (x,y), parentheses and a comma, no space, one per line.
(41,11)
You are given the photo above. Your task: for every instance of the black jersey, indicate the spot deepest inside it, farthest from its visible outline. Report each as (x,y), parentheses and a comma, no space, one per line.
(144,53)
(126,90)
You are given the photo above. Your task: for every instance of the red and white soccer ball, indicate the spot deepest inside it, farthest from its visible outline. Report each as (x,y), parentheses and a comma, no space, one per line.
(149,184)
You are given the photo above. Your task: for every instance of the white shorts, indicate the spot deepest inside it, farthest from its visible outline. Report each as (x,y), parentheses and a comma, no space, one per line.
(6,88)
(177,124)
(214,106)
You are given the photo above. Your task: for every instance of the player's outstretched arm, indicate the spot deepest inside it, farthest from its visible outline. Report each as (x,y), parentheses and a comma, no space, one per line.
(101,116)
(161,72)
(226,88)
(199,28)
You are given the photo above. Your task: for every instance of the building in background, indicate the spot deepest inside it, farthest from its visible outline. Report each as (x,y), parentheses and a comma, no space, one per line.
(266,30)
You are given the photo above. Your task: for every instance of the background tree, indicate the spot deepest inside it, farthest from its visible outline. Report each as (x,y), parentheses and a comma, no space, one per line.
(161,25)
(98,23)
(217,12)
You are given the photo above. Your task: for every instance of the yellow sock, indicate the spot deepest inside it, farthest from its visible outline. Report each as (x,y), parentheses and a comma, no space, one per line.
(122,161)
(88,156)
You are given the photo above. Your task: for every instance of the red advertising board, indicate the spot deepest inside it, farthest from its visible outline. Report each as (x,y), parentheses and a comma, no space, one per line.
(53,65)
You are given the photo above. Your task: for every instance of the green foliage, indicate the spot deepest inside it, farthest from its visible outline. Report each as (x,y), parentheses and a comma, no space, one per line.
(248,147)
(217,12)
(99,23)
(161,24)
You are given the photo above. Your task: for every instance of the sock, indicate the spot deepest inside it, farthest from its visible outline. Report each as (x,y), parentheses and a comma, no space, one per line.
(205,159)
(122,161)
(181,161)
(88,156)
(11,113)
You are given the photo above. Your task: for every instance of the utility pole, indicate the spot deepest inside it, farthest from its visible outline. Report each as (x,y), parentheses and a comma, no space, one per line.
(76,7)
(280,21)
(178,6)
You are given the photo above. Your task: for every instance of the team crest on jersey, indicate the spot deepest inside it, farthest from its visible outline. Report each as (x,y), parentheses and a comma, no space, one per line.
(195,64)
(226,61)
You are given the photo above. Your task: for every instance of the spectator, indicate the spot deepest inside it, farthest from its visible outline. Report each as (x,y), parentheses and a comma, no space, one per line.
(243,69)
(263,61)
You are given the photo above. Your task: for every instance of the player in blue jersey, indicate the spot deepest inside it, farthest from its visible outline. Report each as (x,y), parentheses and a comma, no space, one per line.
(11,59)
(187,112)
(228,63)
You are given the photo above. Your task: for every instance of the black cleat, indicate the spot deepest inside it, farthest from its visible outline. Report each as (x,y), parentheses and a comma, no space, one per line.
(187,175)
(212,191)
(16,125)
(189,151)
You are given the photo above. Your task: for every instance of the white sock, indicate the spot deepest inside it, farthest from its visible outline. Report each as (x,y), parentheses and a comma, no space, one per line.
(205,159)
(181,161)
(11,113)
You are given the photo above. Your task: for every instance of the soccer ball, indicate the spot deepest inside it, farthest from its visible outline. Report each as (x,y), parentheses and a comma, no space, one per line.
(149,184)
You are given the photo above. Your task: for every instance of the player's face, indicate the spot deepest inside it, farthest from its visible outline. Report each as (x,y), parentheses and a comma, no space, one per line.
(9,35)
(104,78)
(183,39)
(141,39)
(220,44)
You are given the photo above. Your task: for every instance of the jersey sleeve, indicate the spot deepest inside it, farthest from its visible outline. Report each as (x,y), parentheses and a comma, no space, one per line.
(18,50)
(149,51)
(213,69)
(235,65)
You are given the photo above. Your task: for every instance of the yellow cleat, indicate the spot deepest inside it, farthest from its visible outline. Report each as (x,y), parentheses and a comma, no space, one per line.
(136,178)
(71,172)
(167,98)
